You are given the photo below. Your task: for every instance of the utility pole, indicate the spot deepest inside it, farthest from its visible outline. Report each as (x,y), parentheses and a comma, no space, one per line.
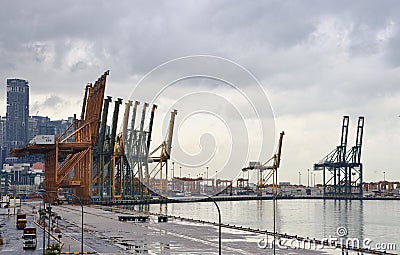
(173,175)
(44,225)
(48,236)
(299,178)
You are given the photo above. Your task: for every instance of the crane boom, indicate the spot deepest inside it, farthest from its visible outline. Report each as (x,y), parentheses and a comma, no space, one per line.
(276,160)
(170,132)
(126,118)
(343,140)
(279,149)
(151,125)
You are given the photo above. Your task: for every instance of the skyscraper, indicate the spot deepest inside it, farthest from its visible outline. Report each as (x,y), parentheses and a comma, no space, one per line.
(17,113)
(2,140)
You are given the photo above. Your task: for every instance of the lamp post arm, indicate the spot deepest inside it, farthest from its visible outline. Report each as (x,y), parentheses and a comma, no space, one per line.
(219,222)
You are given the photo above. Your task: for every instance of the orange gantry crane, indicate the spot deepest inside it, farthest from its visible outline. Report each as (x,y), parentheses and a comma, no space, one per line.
(68,160)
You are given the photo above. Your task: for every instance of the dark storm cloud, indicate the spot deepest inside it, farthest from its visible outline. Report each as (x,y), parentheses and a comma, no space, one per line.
(136,36)
(314,58)
(273,39)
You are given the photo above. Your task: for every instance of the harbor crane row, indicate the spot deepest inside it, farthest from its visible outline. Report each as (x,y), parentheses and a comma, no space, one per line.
(68,159)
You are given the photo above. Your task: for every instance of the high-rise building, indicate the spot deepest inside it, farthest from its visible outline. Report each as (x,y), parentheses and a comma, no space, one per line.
(2,139)
(17,113)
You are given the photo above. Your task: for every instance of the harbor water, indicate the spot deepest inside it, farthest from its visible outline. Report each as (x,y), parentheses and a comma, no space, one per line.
(372,223)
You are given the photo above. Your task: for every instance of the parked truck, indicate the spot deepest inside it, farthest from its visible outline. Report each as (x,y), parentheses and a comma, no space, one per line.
(21,221)
(29,238)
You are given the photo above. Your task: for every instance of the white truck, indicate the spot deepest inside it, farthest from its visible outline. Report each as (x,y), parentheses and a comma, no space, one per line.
(29,238)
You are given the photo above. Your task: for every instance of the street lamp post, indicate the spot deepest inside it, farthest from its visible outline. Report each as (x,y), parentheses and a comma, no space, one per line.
(180,172)
(219,222)
(44,222)
(173,175)
(299,178)
(48,236)
(44,226)
(308,177)
(384,176)
(207,178)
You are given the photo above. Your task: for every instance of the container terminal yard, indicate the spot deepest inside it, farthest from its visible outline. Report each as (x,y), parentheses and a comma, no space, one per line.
(101,187)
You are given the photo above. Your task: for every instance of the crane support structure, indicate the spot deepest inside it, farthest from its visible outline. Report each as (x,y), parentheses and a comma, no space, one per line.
(68,162)
(162,160)
(267,166)
(342,169)
(136,146)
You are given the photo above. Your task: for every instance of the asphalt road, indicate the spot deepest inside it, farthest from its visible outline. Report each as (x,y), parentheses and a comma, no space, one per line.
(12,237)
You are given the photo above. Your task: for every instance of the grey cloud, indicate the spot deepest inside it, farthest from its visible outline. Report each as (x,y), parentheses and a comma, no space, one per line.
(304,66)
(392,53)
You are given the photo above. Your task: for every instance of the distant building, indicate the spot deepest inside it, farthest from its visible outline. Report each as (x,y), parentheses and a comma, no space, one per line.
(20,178)
(17,128)
(39,125)
(61,125)
(17,114)
(3,147)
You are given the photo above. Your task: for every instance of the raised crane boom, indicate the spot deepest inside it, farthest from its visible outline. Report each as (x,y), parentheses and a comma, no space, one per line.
(276,160)
(343,139)
(170,132)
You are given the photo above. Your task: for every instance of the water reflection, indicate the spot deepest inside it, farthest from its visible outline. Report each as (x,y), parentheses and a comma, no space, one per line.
(313,218)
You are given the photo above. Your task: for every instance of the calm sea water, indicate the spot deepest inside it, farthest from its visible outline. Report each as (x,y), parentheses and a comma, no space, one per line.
(378,221)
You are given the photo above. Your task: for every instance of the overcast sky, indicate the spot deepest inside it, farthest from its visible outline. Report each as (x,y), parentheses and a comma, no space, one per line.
(315,60)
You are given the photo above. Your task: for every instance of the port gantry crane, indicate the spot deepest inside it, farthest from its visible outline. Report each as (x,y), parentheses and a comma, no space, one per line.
(96,163)
(342,169)
(273,168)
(68,159)
(162,160)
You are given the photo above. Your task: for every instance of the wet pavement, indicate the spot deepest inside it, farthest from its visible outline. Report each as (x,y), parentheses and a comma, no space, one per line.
(105,234)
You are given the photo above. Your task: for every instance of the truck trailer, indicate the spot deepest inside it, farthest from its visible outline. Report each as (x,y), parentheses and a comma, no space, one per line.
(21,221)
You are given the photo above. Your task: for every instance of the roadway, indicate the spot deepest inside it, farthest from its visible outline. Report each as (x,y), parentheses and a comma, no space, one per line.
(12,237)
